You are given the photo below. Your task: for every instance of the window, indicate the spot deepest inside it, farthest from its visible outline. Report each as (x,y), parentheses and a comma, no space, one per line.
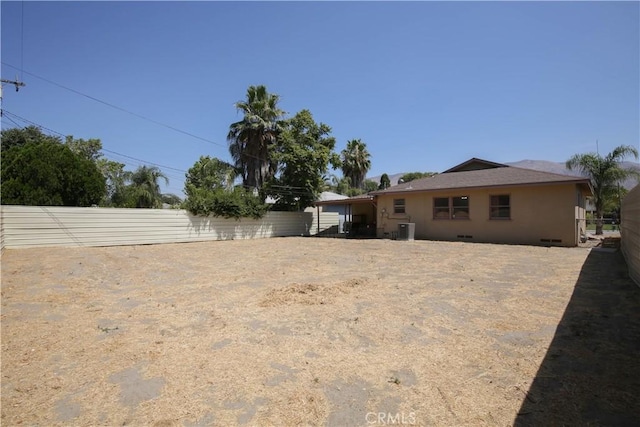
(441,208)
(398,206)
(451,207)
(500,207)
(460,207)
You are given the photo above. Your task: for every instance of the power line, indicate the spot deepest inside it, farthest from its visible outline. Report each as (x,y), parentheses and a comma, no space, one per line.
(282,190)
(275,189)
(93,98)
(4,111)
(21,38)
(145,161)
(12,121)
(127,111)
(8,114)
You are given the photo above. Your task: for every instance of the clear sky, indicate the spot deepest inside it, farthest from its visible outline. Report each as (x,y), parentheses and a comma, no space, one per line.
(426,85)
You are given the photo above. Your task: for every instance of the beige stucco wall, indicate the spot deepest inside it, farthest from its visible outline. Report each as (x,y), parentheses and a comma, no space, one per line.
(550,212)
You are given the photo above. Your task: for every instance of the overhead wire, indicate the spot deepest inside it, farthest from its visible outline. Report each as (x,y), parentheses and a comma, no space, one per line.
(140,116)
(282,190)
(9,115)
(288,190)
(276,189)
(108,104)
(21,39)
(12,121)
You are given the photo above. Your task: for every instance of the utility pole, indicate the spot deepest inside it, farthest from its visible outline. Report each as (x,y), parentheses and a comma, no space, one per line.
(17,83)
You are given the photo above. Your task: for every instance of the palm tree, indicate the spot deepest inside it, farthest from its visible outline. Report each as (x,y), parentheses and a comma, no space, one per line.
(144,190)
(251,138)
(605,174)
(355,162)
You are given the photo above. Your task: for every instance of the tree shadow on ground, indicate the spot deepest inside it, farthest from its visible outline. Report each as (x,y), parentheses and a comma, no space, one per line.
(591,372)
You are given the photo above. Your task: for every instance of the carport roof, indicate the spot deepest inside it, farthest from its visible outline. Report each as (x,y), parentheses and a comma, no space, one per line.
(363,198)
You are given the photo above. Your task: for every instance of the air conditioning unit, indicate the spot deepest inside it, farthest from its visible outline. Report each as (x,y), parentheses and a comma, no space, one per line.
(406,231)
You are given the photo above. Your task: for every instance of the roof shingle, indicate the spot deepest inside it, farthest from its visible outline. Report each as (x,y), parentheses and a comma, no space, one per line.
(494,177)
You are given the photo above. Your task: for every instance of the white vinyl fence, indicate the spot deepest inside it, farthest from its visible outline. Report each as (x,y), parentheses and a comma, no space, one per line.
(630,232)
(32,226)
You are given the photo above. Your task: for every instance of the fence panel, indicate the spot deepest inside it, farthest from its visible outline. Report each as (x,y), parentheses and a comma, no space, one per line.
(630,232)
(32,226)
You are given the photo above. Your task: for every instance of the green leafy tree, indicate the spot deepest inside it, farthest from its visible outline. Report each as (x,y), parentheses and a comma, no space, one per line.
(86,148)
(605,174)
(251,139)
(171,199)
(356,162)
(115,178)
(210,172)
(412,176)
(209,189)
(144,189)
(49,174)
(369,186)
(31,134)
(342,185)
(385,182)
(113,171)
(89,149)
(234,203)
(304,153)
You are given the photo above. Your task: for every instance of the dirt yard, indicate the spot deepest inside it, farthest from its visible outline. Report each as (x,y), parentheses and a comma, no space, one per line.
(286,331)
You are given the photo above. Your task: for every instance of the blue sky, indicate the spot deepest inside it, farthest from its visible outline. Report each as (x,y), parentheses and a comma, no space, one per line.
(424,85)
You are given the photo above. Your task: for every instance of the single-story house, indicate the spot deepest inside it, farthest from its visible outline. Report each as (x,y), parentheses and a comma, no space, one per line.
(482,201)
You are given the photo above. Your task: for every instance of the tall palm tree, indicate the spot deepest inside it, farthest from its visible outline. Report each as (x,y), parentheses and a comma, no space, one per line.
(250,138)
(605,174)
(144,190)
(356,162)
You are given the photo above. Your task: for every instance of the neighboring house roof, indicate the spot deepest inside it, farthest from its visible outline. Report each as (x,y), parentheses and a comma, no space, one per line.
(475,164)
(495,175)
(328,195)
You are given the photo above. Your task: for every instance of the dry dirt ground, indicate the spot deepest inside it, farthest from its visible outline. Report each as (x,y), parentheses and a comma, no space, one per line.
(312,331)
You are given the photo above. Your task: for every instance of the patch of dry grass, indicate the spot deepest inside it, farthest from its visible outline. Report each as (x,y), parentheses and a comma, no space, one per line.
(291,331)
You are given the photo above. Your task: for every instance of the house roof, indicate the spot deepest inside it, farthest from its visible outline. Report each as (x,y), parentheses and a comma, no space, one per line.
(328,195)
(493,176)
